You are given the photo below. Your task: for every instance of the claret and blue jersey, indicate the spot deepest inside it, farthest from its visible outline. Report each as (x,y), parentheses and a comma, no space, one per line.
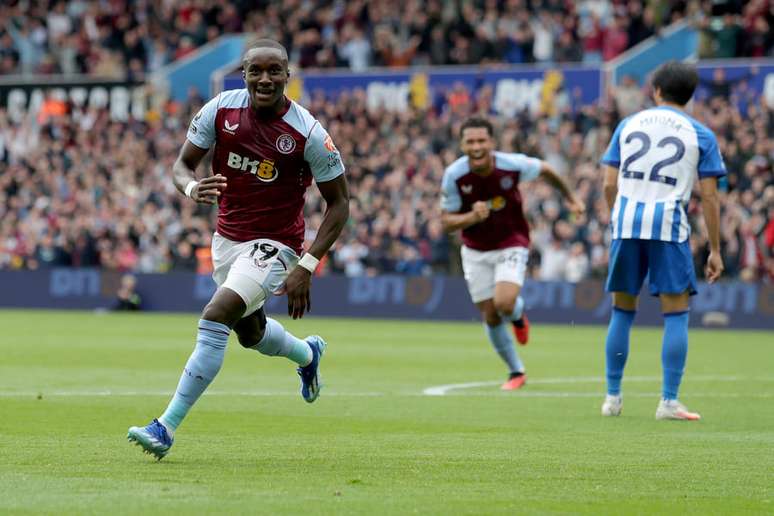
(659,152)
(268,162)
(506,226)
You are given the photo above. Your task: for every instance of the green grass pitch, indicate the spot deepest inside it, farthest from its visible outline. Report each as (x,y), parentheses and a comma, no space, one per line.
(71,383)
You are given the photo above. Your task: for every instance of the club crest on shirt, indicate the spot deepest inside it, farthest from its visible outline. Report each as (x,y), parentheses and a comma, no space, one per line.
(286,144)
(466,189)
(506,183)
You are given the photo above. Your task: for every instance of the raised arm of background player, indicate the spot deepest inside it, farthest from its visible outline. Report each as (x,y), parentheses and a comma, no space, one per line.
(207,190)
(299,280)
(480,210)
(710,203)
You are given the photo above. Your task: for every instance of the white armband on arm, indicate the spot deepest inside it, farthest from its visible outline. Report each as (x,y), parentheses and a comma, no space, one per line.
(189,187)
(308,262)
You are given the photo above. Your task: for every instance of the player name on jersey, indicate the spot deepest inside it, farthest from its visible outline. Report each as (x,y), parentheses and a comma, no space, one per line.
(659,152)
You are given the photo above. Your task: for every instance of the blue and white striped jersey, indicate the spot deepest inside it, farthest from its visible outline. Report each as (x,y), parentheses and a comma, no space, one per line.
(659,152)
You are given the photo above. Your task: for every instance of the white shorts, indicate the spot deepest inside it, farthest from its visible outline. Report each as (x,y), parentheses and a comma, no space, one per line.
(485,268)
(254,269)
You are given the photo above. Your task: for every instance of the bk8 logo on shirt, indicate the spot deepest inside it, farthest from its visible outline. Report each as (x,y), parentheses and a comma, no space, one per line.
(263,170)
(497,203)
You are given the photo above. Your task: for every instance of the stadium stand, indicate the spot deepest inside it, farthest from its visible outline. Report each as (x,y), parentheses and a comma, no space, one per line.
(125,39)
(109,180)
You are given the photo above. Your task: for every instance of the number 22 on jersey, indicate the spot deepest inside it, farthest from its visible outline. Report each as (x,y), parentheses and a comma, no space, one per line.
(653,175)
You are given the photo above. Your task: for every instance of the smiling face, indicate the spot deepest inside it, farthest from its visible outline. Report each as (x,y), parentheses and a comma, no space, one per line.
(478,145)
(265,70)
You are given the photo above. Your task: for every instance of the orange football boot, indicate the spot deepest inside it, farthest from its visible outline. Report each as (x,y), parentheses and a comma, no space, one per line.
(521,330)
(514,383)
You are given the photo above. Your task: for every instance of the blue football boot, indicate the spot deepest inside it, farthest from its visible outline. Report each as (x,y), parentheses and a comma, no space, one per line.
(153,438)
(310,374)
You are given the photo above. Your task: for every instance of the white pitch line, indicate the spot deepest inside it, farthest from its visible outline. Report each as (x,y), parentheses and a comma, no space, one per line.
(479,394)
(439,390)
(442,390)
(24,394)
(556,394)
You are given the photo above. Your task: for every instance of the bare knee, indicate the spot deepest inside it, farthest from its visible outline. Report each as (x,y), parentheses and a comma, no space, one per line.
(624,301)
(505,306)
(489,312)
(491,317)
(225,307)
(250,338)
(213,313)
(250,329)
(675,302)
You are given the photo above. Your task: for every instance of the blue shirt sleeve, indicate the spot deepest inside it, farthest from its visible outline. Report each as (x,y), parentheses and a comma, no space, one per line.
(612,156)
(450,194)
(322,155)
(201,132)
(527,167)
(710,161)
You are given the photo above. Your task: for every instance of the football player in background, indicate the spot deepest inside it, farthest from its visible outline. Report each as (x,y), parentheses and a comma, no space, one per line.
(481,197)
(651,164)
(266,151)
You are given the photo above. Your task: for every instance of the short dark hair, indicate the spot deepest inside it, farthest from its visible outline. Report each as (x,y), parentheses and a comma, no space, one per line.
(265,43)
(676,81)
(477,121)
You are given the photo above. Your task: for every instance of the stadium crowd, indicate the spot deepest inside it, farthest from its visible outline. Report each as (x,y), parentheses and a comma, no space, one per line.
(128,39)
(82,190)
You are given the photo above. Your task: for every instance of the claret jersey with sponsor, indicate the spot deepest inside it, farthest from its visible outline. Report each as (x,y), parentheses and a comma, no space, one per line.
(506,225)
(268,165)
(659,152)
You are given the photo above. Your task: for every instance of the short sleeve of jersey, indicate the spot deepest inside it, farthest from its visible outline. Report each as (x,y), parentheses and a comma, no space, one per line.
(322,155)
(201,132)
(612,156)
(450,194)
(528,167)
(710,161)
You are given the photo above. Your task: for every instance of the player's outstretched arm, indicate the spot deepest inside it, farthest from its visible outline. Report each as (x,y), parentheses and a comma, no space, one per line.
(549,175)
(710,203)
(298,283)
(204,191)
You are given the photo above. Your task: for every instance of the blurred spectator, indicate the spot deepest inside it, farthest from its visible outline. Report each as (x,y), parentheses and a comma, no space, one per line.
(628,96)
(87,191)
(355,49)
(130,39)
(736,29)
(577,267)
(553,261)
(350,258)
(567,49)
(726,36)
(127,297)
(615,39)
